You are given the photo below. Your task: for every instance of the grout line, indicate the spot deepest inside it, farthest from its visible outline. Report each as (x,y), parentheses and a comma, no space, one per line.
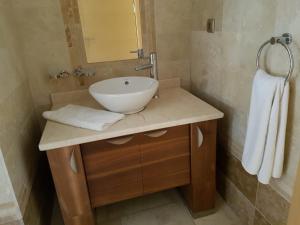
(240,193)
(263,216)
(279,192)
(256,194)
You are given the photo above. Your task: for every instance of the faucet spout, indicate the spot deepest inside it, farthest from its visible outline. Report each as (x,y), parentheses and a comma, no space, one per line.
(152,66)
(143,67)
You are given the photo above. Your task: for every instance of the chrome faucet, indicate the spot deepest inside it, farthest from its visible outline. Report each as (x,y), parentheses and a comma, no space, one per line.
(152,66)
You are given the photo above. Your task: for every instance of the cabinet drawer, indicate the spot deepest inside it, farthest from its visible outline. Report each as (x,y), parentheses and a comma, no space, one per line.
(172,142)
(165,149)
(115,187)
(110,156)
(166,174)
(170,133)
(166,159)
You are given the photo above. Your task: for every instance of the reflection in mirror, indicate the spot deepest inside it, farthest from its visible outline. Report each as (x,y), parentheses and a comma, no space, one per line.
(111,29)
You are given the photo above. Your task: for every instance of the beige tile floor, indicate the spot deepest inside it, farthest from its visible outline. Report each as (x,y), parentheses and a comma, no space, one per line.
(163,208)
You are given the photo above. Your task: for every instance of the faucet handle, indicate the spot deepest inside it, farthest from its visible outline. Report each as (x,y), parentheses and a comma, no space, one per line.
(140,52)
(79,72)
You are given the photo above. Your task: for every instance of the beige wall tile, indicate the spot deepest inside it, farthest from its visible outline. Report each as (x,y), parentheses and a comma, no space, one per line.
(204,10)
(175,68)
(233,169)
(40,203)
(24,151)
(173,31)
(236,200)
(44,45)
(173,46)
(272,205)
(260,219)
(9,208)
(172,16)
(19,131)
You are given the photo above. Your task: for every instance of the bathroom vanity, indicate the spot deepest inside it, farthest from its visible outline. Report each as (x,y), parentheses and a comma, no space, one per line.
(172,143)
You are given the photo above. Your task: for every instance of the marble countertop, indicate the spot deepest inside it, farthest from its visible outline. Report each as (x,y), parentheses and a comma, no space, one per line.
(174,107)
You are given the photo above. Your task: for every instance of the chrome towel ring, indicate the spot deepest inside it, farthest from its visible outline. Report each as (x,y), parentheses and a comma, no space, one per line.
(284,40)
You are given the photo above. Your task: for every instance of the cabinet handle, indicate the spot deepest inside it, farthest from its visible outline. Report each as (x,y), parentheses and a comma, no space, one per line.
(200,137)
(120,141)
(73,163)
(156,134)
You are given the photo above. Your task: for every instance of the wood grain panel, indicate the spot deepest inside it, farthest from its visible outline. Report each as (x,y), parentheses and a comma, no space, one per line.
(113,170)
(116,187)
(165,149)
(166,159)
(103,157)
(200,194)
(166,174)
(71,187)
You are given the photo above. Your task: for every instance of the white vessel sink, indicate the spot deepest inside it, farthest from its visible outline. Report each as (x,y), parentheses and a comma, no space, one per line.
(124,94)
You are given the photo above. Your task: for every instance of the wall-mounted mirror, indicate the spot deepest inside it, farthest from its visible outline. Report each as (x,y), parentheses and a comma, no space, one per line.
(111,29)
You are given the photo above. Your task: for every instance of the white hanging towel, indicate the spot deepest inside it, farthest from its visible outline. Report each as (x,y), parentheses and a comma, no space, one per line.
(83,117)
(265,139)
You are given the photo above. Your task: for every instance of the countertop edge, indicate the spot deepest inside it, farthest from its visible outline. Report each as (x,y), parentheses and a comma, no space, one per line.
(99,137)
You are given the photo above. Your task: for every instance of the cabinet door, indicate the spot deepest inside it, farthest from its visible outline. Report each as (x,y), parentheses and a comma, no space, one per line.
(165,158)
(113,169)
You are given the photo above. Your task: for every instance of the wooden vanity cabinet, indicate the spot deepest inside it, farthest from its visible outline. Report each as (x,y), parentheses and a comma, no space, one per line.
(107,171)
(127,167)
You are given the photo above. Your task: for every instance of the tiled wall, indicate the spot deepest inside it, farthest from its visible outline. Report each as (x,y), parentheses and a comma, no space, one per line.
(45,47)
(222,70)
(40,203)
(173,27)
(254,203)
(19,128)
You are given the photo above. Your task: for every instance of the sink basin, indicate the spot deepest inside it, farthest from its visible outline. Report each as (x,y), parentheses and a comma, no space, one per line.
(124,94)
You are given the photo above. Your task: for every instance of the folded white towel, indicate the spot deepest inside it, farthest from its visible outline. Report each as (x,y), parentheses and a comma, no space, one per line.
(83,117)
(264,146)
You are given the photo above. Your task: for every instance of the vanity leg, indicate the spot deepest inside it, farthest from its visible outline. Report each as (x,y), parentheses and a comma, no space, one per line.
(70,184)
(200,194)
